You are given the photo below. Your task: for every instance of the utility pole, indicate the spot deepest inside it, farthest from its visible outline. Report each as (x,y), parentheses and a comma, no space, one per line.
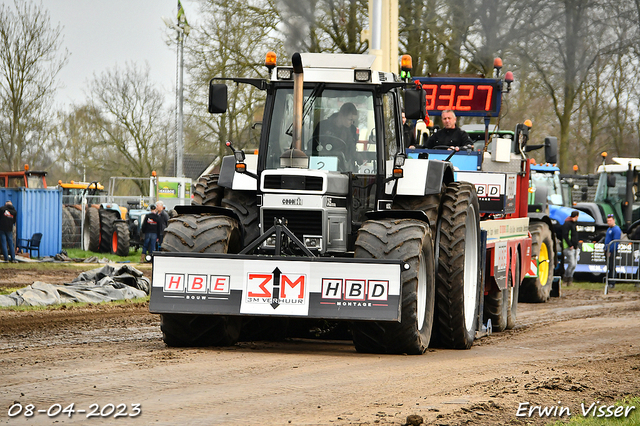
(383,34)
(182,29)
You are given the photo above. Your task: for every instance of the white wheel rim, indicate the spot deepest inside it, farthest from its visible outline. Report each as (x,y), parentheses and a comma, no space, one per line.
(421,291)
(470,269)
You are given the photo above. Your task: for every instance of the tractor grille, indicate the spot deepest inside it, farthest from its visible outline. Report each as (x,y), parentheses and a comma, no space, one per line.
(300,222)
(300,183)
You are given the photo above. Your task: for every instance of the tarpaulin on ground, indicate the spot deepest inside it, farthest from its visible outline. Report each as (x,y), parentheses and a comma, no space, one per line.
(104,284)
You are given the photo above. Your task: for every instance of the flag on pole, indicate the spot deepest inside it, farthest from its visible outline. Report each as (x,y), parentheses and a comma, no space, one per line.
(182,18)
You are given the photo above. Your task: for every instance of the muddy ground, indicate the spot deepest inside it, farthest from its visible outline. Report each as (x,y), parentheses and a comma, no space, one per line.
(582,348)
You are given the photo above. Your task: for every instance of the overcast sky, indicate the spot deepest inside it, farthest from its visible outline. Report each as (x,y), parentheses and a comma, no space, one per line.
(101,34)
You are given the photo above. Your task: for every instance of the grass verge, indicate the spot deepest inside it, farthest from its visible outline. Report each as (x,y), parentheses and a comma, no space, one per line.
(133,257)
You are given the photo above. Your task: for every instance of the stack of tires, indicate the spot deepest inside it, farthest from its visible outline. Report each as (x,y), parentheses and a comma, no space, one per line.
(71,225)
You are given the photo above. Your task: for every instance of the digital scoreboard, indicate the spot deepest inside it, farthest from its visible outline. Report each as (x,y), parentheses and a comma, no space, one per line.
(478,97)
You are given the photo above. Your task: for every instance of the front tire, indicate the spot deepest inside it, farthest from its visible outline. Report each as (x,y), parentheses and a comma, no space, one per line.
(538,289)
(458,281)
(201,234)
(515,290)
(410,241)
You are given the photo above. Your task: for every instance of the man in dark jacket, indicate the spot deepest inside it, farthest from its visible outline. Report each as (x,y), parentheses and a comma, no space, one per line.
(164,216)
(150,228)
(451,135)
(338,135)
(408,133)
(569,246)
(8,217)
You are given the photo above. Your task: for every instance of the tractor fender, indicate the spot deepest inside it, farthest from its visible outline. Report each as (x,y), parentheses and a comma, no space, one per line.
(231,179)
(421,177)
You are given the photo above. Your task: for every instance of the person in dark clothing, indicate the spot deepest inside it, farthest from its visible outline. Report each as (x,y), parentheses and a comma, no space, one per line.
(338,134)
(150,228)
(164,216)
(451,135)
(569,246)
(409,137)
(8,217)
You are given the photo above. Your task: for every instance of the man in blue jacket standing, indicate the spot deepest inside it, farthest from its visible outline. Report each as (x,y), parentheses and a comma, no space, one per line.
(613,233)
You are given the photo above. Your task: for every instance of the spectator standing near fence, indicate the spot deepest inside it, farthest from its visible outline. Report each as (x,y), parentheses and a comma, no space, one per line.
(613,233)
(8,217)
(569,246)
(150,229)
(164,220)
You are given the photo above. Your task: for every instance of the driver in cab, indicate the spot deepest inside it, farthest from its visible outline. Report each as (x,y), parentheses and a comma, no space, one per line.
(451,136)
(338,133)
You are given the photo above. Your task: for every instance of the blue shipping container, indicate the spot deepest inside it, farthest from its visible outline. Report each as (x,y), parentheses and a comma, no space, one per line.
(39,210)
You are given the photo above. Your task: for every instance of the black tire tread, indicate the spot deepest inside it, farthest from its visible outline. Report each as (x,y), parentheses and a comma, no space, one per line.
(450,326)
(70,231)
(401,239)
(201,234)
(122,231)
(430,204)
(92,227)
(513,303)
(191,330)
(107,221)
(245,205)
(207,192)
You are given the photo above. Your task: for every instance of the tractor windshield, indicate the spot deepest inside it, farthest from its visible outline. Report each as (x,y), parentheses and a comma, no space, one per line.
(614,194)
(338,130)
(551,181)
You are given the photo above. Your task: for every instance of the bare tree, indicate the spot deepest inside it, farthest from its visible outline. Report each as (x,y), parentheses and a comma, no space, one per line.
(567,50)
(30,59)
(231,41)
(130,119)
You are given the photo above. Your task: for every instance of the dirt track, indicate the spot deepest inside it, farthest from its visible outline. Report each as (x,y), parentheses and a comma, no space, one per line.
(584,347)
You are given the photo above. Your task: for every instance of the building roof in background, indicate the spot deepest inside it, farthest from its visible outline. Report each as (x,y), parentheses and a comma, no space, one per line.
(193,165)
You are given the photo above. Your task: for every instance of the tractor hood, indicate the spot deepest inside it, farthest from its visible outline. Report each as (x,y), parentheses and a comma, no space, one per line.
(560,213)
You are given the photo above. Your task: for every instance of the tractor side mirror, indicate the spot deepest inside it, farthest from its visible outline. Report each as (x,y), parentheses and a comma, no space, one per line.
(415,104)
(611,181)
(217,98)
(551,149)
(585,193)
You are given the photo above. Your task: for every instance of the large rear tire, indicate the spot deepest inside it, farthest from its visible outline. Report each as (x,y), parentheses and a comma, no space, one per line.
(538,289)
(410,241)
(91,230)
(207,192)
(458,281)
(245,205)
(201,234)
(107,222)
(120,239)
(430,204)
